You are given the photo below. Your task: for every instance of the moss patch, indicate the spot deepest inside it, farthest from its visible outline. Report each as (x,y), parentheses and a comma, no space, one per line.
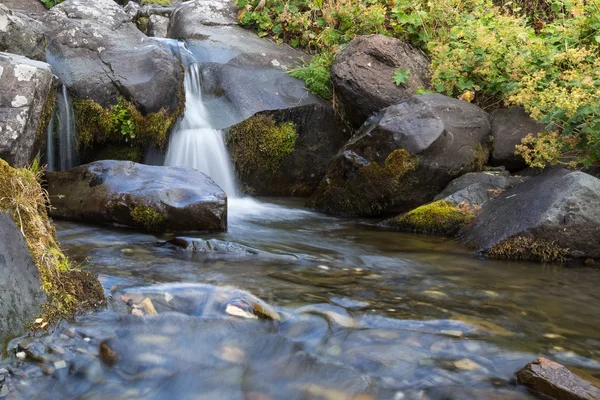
(148,218)
(371,190)
(123,122)
(69,289)
(164,3)
(528,249)
(481,156)
(259,144)
(142,24)
(45,118)
(122,152)
(439,218)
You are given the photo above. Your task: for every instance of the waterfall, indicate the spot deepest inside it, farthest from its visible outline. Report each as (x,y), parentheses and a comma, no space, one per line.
(195,144)
(50,145)
(67,141)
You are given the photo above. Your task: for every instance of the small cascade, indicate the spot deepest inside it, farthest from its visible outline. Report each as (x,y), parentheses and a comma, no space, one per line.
(195,144)
(67,140)
(50,156)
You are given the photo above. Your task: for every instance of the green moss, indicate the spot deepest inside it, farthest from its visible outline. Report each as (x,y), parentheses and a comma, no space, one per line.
(164,3)
(439,218)
(259,144)
(528,249)
(371,190)
(481,156)
(123,122)
(142,24)
(45,117)
(119,152)
(148,218)
(69,289)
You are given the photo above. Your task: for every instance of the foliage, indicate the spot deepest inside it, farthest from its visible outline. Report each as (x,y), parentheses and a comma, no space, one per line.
(401,75)
(164,3)
(525,248)
(50,3)
(440,218)
(122,119)
(148,218)
(541,54)
(69,289)
(260,144)
(316,75)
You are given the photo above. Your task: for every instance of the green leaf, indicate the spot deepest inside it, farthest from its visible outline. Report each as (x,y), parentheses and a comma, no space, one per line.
(401,76)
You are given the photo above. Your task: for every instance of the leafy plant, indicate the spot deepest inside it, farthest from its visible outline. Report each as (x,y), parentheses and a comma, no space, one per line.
(401,75)
(122,118)
(316,75)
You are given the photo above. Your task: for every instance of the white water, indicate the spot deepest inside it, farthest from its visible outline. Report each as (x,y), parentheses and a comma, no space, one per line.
(50,146)
(67,141)
(195,144)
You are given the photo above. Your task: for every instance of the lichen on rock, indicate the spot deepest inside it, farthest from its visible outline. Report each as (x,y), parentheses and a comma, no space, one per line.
(439,218)
(260,144)
(528,249)
(69,289)
(148,218)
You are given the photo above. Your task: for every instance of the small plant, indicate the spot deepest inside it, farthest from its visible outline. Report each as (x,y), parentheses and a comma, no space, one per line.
(316,75)
(121,117)
(401,75)
(50,3)
(148,218)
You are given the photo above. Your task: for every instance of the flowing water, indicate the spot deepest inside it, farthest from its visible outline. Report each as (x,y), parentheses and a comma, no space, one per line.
(62,132)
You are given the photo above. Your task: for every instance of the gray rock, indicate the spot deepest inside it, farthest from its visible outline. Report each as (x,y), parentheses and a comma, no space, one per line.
(189,18)
(98,54)
(147,197)
(362,75)
(509,126)
(560,207)
(4,391)
(198,245)
(476,188)
(22,296)
(26,92)
(157,26)
(554,380)
(21,35)
(132,9)
(442,138)
(25,6)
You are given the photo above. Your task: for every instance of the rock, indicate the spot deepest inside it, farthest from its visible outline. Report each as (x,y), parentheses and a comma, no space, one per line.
(404,157)
(509,126)
(546,218)
(27,90)
(4,391)
(189,18)
(25,6)
(142,196)
(475,188)
(20,34)
(132,9)
(363,72)
(22,295)
(158,26)
(554,380)
(100,55)
(271,161)
(197,245)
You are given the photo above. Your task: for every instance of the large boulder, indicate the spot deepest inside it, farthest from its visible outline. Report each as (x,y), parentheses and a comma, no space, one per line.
(21,296)
(549,217)
(509,127)
(25,6)
(100,55)
(363,73)
(555,381)
(27,90)
(142,196)
(21,35)
(404,157)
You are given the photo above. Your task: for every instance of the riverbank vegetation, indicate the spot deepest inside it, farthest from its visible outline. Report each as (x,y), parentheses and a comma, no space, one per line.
(543,55)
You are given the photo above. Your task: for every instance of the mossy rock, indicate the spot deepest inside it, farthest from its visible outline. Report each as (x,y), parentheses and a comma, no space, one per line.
(69,289)
(438,218)
(123,152)
(528,249)
(148,218)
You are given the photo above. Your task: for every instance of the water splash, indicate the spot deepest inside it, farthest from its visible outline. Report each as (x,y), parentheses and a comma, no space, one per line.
(195,144)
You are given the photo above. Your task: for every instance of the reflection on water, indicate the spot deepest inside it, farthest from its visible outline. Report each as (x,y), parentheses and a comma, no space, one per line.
(364,314)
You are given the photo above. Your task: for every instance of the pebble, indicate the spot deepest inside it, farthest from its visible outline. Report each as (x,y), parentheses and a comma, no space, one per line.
(466,364)
(434,293)
(452,333)
(3,371)
(127,252)
(60,364)
(4,391)
(21,355)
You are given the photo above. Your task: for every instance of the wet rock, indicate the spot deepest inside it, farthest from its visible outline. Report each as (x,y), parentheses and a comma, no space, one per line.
(547,218)
(157,26)
(554,380)
(4,391)
(475,188)
(107,354)
(509,126)
(197,245)
(188,17)
(22,295)
(20,34)
(26,101)
(363,72)
(100,55)
(404,157)
(147,197)
(463,393)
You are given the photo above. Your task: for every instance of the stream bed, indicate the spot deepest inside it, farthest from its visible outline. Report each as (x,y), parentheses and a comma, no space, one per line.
(365,314)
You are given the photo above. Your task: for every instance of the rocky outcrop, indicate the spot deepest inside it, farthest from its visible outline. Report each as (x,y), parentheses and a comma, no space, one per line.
(551,379)
(549,217)
(285,152)
(27,90)
(363,75)
(404,157)
(475,188)
(146,197)
(21,296)
(21,35)
(509,127)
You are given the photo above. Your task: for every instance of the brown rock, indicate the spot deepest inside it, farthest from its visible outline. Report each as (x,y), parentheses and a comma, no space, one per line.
(556,381)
